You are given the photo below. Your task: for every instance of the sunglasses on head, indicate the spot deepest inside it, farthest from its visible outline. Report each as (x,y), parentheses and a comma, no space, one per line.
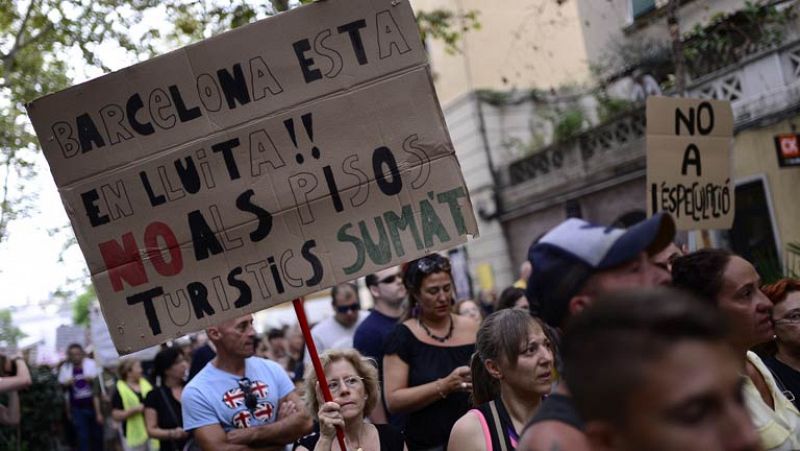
(427,265)
(348,308)
(249,398)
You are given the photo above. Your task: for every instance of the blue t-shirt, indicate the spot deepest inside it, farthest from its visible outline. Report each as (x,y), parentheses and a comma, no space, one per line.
(214,396)
(370,334)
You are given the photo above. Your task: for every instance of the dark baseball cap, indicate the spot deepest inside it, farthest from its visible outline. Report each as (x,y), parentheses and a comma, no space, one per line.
(566,256)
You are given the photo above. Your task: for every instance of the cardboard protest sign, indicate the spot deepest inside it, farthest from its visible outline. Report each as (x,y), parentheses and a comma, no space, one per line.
(689,145)
(249,169)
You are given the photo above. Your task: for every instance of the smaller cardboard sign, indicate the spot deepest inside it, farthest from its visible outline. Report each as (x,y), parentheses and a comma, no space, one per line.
(689,145)
(788,148)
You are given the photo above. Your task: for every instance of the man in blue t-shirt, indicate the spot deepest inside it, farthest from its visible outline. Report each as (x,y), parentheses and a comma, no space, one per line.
(238,399)
(388,293)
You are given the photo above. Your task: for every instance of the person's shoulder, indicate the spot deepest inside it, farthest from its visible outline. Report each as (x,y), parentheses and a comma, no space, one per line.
(153,395)
(398,339)
(262,364)
(200,382)
(324,324)
(363,315)
(467,432)
(468,324)
(469,425)
(370,321)
(403,329)
(553,435)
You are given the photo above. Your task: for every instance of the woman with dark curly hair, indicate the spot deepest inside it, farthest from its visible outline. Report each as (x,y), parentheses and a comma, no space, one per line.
(162,407)
(425,360)
(513,297)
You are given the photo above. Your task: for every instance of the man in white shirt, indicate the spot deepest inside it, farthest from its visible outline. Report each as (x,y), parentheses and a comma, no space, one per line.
(77,375)
(337,331)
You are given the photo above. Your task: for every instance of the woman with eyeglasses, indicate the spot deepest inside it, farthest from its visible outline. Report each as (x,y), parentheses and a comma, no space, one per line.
(512,369)
(426,357)
(353,382)
(731,283)
(785,362)
(468,308)
(162,406)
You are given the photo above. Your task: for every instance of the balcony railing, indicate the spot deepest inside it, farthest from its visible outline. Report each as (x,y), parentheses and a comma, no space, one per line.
(587,149)
(730,39)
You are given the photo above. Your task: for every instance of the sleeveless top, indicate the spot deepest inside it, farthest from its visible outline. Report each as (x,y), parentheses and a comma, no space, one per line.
(498,429)
(430,426)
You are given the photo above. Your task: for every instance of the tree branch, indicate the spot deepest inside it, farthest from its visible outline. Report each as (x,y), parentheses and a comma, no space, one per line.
(18,37)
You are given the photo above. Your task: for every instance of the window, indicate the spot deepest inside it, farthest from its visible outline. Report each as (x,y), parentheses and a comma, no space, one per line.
(753,234)
(642,7)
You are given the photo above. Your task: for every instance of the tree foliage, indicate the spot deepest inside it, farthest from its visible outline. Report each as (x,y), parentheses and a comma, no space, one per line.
(10,335)
(43,41)
(81,307)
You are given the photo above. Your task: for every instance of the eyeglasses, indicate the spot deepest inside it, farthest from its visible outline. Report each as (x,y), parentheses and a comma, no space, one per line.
(791,318)
(348,308)
(433,263)
(250,399)
(350,381)
(389,279)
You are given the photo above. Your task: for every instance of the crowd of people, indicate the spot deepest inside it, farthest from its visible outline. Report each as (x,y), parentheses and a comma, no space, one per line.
(612,339)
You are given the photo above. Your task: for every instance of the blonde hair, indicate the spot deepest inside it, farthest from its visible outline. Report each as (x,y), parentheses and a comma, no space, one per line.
(364,366)
(125,367)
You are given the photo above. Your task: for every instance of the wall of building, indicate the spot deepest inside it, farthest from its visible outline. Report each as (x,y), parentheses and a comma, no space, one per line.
(601,207)
(463,122)
(520,44)
(754,154)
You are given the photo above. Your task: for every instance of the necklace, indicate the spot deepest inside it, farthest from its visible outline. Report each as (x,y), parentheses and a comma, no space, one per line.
(358,439)
(436,337)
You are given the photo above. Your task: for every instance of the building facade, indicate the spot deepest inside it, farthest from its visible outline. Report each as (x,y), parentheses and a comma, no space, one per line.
(533,155)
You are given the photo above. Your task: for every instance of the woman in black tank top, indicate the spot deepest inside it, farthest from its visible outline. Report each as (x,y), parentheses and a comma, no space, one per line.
(511,372)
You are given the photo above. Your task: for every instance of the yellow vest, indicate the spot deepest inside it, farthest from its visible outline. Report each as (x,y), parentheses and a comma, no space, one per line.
(135,430)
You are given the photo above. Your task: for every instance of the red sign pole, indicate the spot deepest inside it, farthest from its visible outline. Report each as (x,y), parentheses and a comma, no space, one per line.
(312,352)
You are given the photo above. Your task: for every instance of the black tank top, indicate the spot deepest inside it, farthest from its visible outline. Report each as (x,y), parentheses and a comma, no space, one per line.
(509,434)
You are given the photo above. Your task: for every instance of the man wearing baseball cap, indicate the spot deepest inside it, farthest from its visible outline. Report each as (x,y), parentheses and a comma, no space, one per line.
(573,264)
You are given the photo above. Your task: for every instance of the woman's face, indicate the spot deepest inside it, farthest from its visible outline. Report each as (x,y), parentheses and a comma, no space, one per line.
(263,349)
(745,307)
(178,368)
(435,295)
(470,310)
(786,316)
(533,372)
(136,372)
(347,388)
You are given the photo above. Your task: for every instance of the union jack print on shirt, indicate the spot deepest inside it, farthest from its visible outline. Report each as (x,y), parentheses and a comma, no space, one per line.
(263,412)
(259,389)
(233,398)
(242,419)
